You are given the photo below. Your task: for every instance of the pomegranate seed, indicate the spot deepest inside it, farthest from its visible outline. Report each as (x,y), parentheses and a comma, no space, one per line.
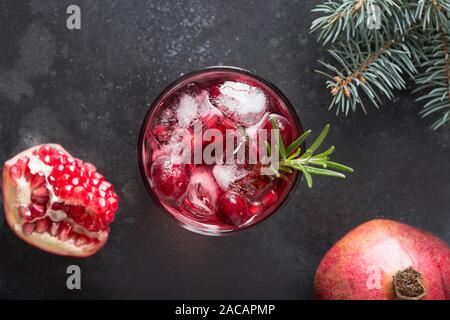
(89,223)
(62,159)
(63,180)
(70,169)
(43,151)
(43,225)
(99,225)
(37,210)
(37,180)
(58,206)
(101,205)
(53,151)
(28,228)
(88,199)
(40,195)
(105,186)
(89,167)
(99,176)
(82,218)
(94,224)
(79,193)
(66,191)
(113,203)
(84,174)
(109,216)
(28,175)
(64,231)
(75,212)
(78,163)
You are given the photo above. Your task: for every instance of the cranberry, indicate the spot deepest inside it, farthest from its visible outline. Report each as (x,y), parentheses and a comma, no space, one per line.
(285,127)
(170,177)
(232,208)
(214,93)
(270,198)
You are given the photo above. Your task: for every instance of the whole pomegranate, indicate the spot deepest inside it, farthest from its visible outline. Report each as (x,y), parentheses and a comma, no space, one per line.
(56,202)
(384,259)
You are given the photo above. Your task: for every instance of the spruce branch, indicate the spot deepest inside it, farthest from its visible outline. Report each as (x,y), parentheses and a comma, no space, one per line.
(435,79)
(347,19)
(368,69)
(369,64)
(433,13)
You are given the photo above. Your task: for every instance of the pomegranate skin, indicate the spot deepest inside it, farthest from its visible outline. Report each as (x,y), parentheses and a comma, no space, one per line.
(361,265)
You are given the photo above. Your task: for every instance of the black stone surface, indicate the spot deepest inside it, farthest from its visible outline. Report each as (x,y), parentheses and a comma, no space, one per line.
(89,90)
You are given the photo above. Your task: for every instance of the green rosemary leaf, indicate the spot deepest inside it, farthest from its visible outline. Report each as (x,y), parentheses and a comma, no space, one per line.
(324,172)
(307,175)
(308,163)
(316,144)
(326,153)
(295,154)
(285,169)
(297,142)
(338,166)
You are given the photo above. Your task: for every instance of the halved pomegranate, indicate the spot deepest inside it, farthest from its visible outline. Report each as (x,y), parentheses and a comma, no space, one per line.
(56,202)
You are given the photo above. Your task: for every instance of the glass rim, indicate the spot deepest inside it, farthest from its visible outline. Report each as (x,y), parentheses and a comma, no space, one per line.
(163,94)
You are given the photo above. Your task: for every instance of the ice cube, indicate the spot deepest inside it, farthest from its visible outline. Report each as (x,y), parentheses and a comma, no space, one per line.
(252,131)
(198,107)
(187,110)
(242,102)
(202,193)
(227,174)
(206,108)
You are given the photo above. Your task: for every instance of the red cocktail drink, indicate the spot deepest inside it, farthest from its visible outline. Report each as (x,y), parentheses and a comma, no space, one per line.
(204,149)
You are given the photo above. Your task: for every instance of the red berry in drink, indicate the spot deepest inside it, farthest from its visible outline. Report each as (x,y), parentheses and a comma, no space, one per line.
(232,209)
(170,177)
(284,126)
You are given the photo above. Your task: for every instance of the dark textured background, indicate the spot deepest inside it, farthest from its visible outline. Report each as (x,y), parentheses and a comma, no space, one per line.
(89,90)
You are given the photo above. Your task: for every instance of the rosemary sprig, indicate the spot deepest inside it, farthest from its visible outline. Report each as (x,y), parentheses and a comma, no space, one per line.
(309,163)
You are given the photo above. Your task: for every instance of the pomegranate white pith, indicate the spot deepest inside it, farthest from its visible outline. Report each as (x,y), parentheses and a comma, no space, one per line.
(56,202)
